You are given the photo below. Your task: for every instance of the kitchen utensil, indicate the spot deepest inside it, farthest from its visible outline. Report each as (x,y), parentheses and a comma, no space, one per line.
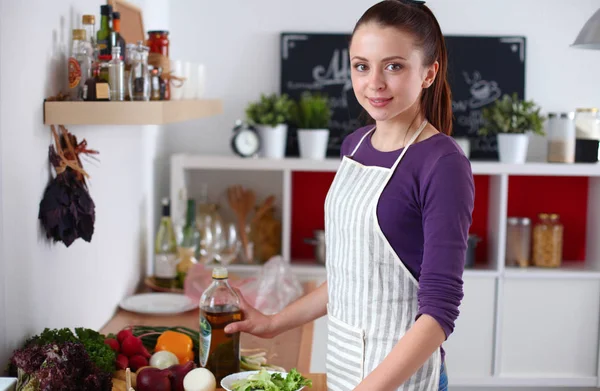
(319,242)
(267,204)
(236,196)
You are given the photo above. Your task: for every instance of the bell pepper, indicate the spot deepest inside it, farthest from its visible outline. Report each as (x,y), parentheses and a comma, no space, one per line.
(179,344)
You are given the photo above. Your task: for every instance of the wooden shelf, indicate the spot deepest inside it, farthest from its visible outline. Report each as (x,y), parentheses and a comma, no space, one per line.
(129,113)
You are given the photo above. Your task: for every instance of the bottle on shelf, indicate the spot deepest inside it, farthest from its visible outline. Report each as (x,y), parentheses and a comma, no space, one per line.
(103,35)
(189,244)
(116,39)
(219,306)
(139,75)
(96,89)
(89,24)
(79,65)
(116,74)
(165,250)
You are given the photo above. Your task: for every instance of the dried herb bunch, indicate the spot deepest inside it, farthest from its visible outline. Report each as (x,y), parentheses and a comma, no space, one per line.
(67,211)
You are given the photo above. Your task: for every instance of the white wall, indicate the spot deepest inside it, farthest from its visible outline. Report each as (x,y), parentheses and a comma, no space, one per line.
(48,285)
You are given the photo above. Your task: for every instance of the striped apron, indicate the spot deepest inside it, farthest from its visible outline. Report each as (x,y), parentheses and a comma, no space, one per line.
(372,295)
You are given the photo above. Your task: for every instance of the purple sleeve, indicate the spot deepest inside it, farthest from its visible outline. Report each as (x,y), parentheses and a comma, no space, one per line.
(447,203)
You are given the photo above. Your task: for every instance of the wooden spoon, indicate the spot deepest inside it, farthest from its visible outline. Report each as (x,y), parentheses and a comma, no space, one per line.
(267,204)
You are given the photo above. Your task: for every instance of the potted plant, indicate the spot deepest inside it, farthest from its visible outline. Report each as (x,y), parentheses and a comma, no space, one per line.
(512,120)
(269,116)
(311,115)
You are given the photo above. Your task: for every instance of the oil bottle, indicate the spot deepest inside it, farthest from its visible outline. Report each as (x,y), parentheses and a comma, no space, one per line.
(219,306)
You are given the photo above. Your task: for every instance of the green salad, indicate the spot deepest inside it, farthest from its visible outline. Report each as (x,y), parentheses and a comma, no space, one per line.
(264,381)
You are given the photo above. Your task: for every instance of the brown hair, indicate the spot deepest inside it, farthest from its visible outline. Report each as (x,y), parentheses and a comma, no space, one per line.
(417,19)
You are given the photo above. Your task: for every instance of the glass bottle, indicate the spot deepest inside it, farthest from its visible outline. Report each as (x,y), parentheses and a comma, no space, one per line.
(139,76)
(189,243)
(547,241)
(79,65)
(116,73)
(116,39)
(89,24)
(155,82)
(103,35)
(158,43)
(561,137)
(165,250)
(219,306)
(587,144)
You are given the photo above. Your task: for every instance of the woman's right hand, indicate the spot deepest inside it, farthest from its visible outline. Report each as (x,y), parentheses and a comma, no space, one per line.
(254,322)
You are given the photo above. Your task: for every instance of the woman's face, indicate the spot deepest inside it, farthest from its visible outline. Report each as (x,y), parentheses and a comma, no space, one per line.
(387,70)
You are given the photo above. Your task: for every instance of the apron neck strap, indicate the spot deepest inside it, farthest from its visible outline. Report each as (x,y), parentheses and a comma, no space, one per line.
(410,142)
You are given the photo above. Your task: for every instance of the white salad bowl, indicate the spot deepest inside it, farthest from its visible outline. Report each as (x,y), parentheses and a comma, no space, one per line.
(228,381)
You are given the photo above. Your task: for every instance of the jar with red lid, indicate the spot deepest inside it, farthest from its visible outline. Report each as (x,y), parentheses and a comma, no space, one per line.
(158,42)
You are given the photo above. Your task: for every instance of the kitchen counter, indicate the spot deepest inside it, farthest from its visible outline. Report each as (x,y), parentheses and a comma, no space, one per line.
(291,349)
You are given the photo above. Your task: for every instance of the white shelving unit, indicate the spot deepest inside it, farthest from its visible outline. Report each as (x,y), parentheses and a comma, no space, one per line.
(517,328)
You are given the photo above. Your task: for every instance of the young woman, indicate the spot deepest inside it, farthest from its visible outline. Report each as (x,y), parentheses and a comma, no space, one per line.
(397,216)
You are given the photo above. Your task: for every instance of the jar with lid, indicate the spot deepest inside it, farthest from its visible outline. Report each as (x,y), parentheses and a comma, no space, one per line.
(587,143)
(518,241)
(139,75)
(158,42)
(548,241)
(561,137)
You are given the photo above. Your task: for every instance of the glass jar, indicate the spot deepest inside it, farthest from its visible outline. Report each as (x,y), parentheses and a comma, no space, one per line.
(139,76)
(587,143)
(561,137)
(158,42)
(265,234)
(547,241)
(518,241)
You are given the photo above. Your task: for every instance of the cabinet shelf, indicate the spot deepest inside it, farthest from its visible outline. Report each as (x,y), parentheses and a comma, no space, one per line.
(129,113)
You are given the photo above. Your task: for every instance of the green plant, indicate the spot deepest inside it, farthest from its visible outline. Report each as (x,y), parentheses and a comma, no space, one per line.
(512,115)
(312,111)
(270,110)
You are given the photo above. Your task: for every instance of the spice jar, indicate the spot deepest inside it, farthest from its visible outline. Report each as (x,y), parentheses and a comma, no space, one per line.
(587,143)
(518,241)
(561,137)
(158,42)
(547,241)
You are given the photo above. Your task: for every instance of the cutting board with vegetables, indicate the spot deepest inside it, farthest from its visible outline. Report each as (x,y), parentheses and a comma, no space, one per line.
(319,382)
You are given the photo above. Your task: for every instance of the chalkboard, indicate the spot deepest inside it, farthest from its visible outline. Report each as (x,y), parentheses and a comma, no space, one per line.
(481,69)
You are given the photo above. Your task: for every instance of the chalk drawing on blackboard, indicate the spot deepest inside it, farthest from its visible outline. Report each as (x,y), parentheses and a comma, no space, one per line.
(482,91)
(288,43)
(518,44)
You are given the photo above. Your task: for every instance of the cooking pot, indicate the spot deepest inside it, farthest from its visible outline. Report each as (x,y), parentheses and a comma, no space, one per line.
(319,242)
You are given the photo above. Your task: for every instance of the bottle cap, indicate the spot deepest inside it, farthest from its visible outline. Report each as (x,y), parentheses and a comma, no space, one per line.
(116,15)
(88,19)
(106,10)
(219,273)
(79,34)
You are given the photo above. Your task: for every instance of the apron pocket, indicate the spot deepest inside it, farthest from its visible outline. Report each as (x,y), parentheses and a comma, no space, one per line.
(345,355)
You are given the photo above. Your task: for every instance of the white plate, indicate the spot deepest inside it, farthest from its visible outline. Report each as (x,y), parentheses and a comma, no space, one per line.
(158,303)
(227,382)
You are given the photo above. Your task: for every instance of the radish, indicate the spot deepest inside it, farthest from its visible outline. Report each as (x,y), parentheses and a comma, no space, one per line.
(131,346)
(124,334)
(137,361)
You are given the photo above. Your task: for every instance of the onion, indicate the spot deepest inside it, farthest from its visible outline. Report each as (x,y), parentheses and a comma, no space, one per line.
(163,359)
(199,379)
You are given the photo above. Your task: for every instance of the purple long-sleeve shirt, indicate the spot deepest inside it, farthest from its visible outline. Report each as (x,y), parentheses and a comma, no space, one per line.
(425,212)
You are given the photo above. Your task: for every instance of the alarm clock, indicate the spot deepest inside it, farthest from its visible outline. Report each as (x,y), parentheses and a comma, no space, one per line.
(245,141)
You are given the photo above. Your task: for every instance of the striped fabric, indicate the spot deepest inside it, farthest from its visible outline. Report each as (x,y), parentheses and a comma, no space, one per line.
(372,296)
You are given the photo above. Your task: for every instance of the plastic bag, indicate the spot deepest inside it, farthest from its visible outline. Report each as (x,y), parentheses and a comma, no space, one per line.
(271,291)
(275,287)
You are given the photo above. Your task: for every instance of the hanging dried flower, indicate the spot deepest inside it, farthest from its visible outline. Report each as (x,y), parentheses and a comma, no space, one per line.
(67,211)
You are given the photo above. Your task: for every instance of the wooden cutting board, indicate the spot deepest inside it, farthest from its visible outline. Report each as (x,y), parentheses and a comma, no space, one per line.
(319,382)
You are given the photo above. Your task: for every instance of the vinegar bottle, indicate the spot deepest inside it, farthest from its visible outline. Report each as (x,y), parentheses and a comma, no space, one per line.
(219,306)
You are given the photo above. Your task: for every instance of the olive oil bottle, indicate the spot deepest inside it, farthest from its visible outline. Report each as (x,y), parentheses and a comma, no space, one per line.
(219,306)
(165,250)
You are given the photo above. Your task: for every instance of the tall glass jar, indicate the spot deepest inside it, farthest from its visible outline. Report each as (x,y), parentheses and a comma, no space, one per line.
(548,241)
(518,241)
(561,137)
(265,234)
(587,143)
(158,42)
(139,76)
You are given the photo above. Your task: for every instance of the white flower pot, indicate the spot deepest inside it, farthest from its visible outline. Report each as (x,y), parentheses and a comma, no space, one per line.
(512,147)
(273,139)
(313,143)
